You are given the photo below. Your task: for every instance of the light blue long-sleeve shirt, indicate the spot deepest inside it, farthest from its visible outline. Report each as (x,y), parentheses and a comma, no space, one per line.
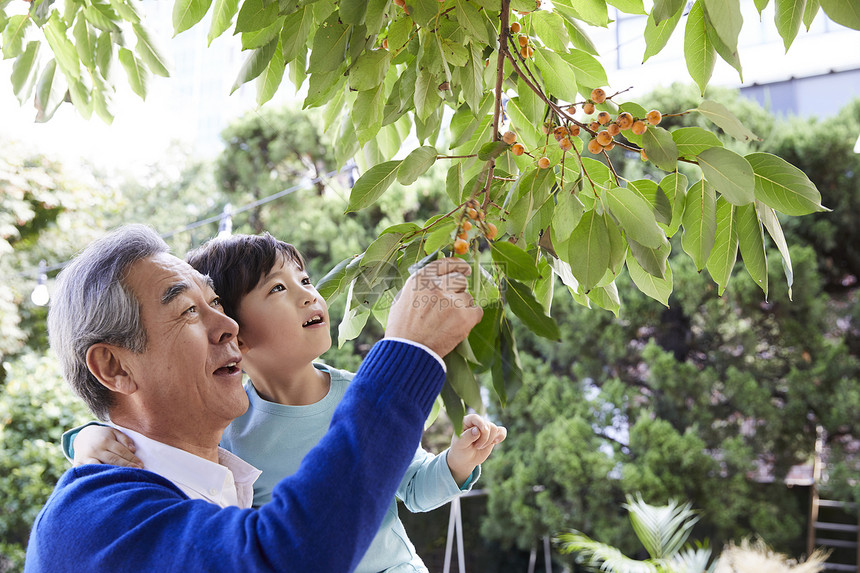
(276,437)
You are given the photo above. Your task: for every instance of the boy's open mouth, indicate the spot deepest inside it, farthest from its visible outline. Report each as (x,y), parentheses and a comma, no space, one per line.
(315,320)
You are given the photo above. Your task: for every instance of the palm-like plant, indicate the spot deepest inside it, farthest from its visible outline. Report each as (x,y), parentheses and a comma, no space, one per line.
(663,531)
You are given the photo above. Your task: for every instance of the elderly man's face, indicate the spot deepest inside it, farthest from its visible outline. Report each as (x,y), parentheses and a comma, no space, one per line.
(189,374)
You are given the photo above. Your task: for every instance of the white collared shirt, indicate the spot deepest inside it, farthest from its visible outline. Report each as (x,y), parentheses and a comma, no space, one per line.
(229,482)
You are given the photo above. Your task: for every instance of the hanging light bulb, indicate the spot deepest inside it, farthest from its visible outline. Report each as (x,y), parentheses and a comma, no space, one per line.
(225,225)
(40,295)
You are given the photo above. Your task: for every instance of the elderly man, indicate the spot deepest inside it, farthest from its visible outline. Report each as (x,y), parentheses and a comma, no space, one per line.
(142,339)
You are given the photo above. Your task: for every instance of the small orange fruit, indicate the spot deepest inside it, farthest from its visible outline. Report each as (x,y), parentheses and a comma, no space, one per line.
(517,149)
(523,40)
(603,138)
(598,95)
(594,146)
(571,109)
(509,137)
(654,117)
(624,120)
(466,226)
(603,117)
(543,162)
(639,127)
(594,126)
(573,130)
(492,231)
(515,28)
(565,144)
(613,129)
(642,155)
(588,108)
(460,246)
(559,132)
(472,213)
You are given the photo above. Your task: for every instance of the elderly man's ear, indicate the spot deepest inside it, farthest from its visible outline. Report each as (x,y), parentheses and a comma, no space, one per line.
(105,361)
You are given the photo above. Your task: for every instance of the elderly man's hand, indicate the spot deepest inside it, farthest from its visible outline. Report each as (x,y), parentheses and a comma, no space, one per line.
(434,308)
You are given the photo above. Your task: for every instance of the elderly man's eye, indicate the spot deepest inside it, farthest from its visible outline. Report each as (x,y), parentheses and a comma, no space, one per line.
(216,302)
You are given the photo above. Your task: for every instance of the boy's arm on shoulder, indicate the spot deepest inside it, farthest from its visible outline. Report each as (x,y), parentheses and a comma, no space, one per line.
(68,439)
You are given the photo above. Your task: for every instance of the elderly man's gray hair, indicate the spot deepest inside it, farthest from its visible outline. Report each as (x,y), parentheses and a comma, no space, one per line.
(91,305)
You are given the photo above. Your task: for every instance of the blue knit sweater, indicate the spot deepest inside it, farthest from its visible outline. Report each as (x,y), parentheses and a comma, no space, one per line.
(321,519)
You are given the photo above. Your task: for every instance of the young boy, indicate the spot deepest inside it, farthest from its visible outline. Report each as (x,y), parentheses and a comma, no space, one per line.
(283,328)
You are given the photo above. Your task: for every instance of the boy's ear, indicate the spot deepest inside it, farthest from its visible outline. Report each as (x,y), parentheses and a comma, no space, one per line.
(105,361)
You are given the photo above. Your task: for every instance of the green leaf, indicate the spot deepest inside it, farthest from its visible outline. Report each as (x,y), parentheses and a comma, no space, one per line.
(657,34)
(592,12)
(513,261)
(150,53)
(725,16)
(559,76)
(353,322)
(549,28)
(330,284)
(699,51)
(261,37)
(657,199)
(50,92)
(454,407)
(492,149)
(653,261)
(81,98)
(367,112)
(729,55)
(760,5)
(255,15)
(454,182)
(85,43)
(665,9)
(463,381)
(507,370)
(768,218)
(565,217)
(138,75)
(788,17)
(329,47)
(399,32)
(375,15)
(23,67)
(416,164)
(523,304)
(845,12)
(629,6)
(725,251)
(369,70)
(588,253)
(187,13)
(729,173)
(322,86)
(13,35)
(657,288)
(723,118)
(691,141)
(617,246)
(588,70)
(674,186)
(483,338)
(699,222)
(661,148)
(102,17)
(294,35)
(64,50)
(751,242)
(104,53)
(222,17)
(809,12)
(635,216)
(472,79)
(352,11)
(126,11)
(426,95)
(257,61)
(372,184)
(781,185)
(270,79)
(472,22)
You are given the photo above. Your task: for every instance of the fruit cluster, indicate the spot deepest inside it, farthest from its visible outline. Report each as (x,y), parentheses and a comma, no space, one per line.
(472,217)
(526,49)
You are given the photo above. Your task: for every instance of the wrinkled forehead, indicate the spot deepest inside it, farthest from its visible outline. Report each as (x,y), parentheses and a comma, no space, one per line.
(161,278)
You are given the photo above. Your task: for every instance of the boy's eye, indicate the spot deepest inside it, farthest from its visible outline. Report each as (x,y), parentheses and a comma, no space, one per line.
(306,281)
(277,288)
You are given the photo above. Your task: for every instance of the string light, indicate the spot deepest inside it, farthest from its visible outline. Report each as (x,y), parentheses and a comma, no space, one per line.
(40,295)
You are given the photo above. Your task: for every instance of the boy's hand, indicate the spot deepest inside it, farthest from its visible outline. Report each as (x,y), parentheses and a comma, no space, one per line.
(473,446)
(104,445)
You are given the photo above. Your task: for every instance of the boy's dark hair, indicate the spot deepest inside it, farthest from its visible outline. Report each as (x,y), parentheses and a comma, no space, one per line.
(238,263)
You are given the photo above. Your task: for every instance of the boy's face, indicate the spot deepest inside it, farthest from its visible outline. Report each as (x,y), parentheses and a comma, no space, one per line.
(284,321)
